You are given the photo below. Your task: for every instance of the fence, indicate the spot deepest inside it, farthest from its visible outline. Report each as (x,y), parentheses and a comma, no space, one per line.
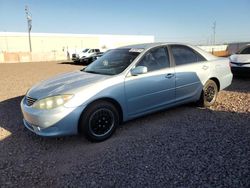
(21,57)
(217,50)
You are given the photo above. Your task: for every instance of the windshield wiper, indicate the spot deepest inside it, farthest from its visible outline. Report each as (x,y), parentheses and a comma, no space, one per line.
(94,72)
(102,73)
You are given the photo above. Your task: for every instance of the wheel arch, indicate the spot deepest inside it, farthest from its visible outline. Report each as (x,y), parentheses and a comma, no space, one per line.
(106,99)
(216,80)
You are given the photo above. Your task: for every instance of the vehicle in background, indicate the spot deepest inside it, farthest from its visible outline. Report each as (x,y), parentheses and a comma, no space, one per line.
(84,54)
(240,62)
(123,84)
(90,59)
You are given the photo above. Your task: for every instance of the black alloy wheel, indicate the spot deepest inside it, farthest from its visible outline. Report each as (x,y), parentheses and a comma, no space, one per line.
(99,121)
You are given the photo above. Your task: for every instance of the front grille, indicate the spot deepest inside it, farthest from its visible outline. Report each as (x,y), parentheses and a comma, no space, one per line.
(240,64)
(75,55)
(30,101)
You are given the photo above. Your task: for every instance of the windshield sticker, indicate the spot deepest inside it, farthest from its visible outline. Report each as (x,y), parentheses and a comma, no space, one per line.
(105,63)
(139,50)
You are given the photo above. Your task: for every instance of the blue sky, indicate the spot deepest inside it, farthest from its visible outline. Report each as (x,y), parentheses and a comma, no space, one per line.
(168,20)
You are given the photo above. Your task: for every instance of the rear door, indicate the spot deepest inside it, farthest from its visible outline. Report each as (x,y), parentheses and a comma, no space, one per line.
(191,70)
(91,52)
(154,89)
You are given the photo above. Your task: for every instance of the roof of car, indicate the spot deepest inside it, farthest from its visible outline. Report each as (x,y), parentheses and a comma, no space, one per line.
(148,45)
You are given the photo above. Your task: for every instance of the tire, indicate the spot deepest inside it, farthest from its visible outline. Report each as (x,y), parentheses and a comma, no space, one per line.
(99,121)
(209,94)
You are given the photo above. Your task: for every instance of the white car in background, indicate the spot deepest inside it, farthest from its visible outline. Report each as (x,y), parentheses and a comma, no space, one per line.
(240,62)
(84,54)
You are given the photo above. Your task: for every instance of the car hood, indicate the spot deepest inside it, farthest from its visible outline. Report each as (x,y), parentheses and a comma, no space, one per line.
(240,58)
(64,84)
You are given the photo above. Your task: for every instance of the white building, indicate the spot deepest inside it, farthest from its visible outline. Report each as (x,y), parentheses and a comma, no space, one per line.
(48,42)
(14,47)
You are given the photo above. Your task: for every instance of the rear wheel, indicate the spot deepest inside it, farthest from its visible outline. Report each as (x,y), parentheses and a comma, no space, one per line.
(99,121)
(209,94)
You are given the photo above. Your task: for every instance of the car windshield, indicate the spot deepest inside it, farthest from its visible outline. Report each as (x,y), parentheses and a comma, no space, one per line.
(245,50)
(84,51)
(112,62)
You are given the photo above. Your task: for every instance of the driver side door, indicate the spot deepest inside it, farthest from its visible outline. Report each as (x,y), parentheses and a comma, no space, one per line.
(154,89)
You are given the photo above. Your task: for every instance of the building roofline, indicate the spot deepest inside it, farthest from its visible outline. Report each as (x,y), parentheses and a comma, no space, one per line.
(67,35)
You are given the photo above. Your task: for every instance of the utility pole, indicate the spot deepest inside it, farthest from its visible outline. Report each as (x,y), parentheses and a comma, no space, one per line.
(214,31)
(29,21)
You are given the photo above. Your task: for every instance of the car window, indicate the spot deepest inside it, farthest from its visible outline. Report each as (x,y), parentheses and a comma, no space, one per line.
(155,59)
(184,55)
(245,51)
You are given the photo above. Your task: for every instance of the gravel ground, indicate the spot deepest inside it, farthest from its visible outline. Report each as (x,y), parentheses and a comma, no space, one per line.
(184,146)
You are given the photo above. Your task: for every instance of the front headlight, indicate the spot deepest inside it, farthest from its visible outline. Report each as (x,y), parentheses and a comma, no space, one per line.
(52,102)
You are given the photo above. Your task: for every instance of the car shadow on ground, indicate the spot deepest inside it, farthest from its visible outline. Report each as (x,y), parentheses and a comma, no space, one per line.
(71,63)
(240,84)
(188,135)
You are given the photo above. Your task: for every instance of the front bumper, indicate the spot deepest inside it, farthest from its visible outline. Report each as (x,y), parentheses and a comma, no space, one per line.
(240,70)
(75,58)
(50,123)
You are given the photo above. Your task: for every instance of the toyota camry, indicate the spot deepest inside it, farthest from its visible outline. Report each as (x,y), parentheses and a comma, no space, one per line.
(123,84)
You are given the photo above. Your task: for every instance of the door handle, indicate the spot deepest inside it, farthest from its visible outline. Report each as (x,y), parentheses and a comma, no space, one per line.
(170,75)
(205,67)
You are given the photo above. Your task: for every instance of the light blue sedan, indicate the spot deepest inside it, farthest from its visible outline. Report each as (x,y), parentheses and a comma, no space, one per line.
(123,84)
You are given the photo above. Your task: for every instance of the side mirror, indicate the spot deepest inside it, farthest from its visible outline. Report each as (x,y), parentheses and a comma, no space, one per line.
(139,70)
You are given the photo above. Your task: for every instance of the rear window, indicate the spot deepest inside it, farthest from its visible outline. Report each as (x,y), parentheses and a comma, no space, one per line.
(184,55)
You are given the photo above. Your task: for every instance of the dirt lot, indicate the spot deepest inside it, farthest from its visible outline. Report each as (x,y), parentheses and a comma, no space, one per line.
(181,147)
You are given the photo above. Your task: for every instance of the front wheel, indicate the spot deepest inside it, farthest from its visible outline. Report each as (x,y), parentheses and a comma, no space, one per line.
(209,94)
(99,121)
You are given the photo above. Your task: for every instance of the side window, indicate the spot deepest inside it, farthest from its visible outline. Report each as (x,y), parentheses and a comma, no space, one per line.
(184,55)
(91,51)
(246,51)
(155,59)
